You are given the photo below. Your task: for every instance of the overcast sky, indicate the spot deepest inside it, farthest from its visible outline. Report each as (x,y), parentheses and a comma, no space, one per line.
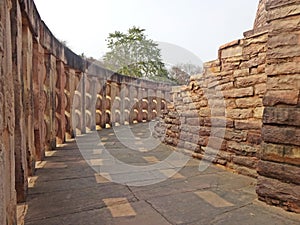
(196,25)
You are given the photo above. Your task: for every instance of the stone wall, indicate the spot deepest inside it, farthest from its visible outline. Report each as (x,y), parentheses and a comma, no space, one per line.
(48,94)
(218,115)
(243,111)
(279,167)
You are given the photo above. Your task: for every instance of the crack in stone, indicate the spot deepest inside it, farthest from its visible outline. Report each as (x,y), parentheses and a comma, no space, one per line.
(163,216)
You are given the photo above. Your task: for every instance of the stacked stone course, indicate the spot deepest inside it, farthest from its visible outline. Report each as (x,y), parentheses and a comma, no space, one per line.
(279,167)
(233,85)
(259,78)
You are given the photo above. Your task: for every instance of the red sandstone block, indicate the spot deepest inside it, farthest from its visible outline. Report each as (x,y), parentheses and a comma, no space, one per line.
(235,135)
(247,124)
(279,193)
(289,97)
(250,102)
(254,137)
(242,148)
(281,135)
(239,92)
(260,89)
(285,116)
(280,171)
(281,10)
(239,113)
(283,52)
(280,153)
(283,68)
(284,82)
(250,80)
(250,162)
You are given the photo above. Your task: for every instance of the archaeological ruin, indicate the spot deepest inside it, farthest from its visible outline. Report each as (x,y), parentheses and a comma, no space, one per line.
(243,112)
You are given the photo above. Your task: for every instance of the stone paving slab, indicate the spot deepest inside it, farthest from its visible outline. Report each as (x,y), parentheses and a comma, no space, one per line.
(67,191)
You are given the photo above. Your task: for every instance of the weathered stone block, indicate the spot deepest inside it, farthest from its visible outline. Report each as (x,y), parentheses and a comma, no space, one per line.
(258,112)
(284,11)
(284,52)
(250,80)
(251,102)
(254,138)
(289,97)
(238,93)
(284,82)
(248,124)
(281,153)
(241,72)
(283,68)
(193,121)
(260,89)
(250,162)
(235,135)
(289,23)
(278,193)
(239,113)
(281,171)
(205,112)
(284,135)
(204,131)
(284,38)
(242,170)
(254,61)
(190,113)
(254,48)
(259,39)
(284,116)
(232,52)
(241,148)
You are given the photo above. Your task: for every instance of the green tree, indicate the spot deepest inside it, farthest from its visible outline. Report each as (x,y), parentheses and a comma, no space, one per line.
(133,54)
(181,73)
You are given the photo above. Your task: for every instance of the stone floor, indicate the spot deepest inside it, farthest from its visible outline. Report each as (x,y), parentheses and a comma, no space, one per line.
(74,186)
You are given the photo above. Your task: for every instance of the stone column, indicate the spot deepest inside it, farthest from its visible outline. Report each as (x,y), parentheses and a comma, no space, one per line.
(158,102)
(132,92)
(83,105)
(39,106)
(113,102)
(70,92)
(123,96)
(139,104)
(92,107)
(20,130)
(7,121)
(60,103)
(150,104)
(49,88)
(103,103)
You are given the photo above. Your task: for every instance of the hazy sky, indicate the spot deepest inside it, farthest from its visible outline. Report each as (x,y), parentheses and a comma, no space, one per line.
(196,25)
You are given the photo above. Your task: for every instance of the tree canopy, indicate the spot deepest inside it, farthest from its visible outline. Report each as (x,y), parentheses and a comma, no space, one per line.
(133,54)
(181,73)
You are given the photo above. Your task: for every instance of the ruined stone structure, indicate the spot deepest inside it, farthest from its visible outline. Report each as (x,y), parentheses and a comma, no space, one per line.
(48,94)
(242,112)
